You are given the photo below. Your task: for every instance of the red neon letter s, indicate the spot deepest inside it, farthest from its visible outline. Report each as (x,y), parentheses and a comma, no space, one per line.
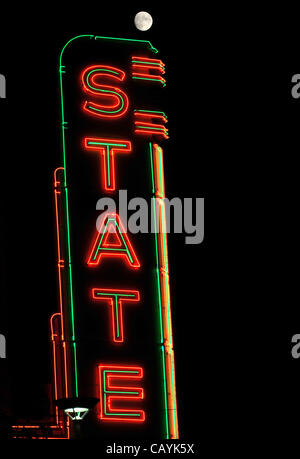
(116,100)
(107,148)
(110,393)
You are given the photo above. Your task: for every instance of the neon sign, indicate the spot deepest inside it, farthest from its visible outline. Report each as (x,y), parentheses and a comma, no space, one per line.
(112,336)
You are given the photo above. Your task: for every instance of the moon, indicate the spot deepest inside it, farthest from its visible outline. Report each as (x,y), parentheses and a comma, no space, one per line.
(143,21)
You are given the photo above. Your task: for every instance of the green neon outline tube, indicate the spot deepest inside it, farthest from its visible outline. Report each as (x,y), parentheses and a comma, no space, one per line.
(147,42)
(149,79)
(151,111)
(156,64)
(63,124)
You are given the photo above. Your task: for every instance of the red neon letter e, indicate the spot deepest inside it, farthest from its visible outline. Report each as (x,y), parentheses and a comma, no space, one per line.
(111,393)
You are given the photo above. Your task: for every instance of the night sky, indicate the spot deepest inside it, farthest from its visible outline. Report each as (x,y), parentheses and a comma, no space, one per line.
(33,152)
(233,127)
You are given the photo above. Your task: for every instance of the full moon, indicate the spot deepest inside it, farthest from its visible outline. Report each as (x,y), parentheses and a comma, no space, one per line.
(143,21)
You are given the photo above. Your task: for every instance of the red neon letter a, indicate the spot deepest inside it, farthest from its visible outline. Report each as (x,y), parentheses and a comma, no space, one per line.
(112,241)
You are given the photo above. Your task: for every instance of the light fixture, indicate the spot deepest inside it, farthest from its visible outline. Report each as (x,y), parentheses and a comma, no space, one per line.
(77,413)
(76,408)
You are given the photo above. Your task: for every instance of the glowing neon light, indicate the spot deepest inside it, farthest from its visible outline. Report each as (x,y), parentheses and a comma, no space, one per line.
(111,393)
(111,227)
(64,123)
(146,42)
(168,365)
(117,102)
(113,241)
(116,299)
(148,60)
(143,126)
(107,148)
(56,367)
(143,66)
(69,284)
(69,345)
(151,114)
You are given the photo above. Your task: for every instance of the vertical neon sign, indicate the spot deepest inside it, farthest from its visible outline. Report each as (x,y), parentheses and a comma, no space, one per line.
(119,129)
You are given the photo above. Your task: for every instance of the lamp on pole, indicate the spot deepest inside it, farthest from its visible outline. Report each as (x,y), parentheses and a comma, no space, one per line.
(76,408)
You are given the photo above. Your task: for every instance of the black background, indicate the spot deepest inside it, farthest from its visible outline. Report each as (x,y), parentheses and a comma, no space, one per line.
(236,126)
(31,67)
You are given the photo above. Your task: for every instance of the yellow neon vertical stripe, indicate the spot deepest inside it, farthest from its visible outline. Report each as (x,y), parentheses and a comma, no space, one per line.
(159,187)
